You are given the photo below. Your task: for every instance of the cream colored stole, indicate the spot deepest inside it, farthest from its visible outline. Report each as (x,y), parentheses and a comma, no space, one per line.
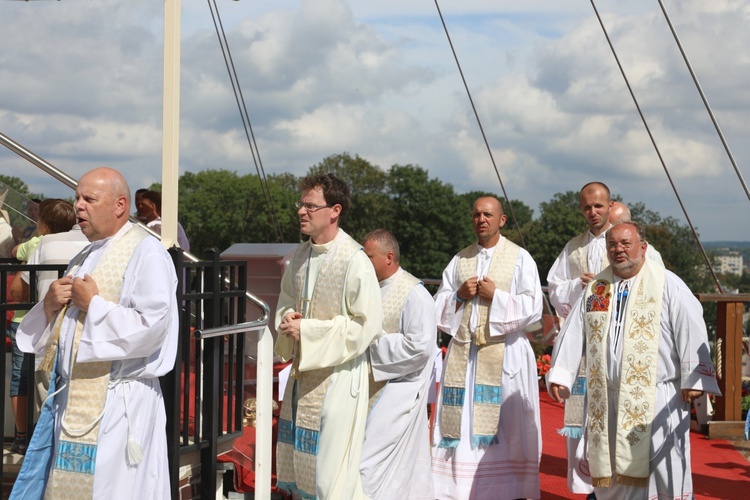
(573,415)
(392,303)
(297,447)
(72,474)
(490,354)
(641,332)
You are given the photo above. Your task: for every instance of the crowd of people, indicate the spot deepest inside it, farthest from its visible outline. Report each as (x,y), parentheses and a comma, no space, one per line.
(360,333)
(630,358)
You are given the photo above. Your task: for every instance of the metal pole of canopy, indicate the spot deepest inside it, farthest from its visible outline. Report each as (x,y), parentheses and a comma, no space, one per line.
(38,161)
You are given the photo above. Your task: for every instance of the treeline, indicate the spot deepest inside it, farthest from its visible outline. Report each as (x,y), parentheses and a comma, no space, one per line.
(431,221)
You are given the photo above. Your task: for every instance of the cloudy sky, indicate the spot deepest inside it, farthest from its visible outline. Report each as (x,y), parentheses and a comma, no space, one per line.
(81,83)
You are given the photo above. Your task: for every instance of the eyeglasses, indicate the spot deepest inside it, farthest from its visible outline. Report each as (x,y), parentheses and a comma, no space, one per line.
(310,207)
(626,245)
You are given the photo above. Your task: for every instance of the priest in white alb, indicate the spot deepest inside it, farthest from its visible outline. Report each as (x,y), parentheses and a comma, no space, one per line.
(109,328)
(396,451)
(487,439)
(328,314)
(646,359)
(583,257)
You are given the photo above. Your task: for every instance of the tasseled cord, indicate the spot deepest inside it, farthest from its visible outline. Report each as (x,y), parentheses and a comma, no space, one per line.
(135,451)
(571,431)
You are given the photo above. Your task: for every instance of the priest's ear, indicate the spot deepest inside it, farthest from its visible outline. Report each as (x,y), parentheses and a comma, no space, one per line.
(121,206)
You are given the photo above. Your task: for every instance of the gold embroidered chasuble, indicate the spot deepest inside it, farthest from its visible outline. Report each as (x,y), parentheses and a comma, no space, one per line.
(299,427)
(490,354)
(392,302)
(72,474)
(641,332)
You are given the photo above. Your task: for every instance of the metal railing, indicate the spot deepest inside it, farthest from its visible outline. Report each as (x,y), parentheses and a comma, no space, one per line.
(69,181)
(204,394)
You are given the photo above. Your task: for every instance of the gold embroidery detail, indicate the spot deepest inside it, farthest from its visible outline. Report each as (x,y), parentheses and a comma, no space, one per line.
(635,416)
(638,372)
(596,325)
(641,327)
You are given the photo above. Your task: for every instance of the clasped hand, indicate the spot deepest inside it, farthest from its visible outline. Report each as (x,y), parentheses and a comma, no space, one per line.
(472,287)
(290,325)
(70,291)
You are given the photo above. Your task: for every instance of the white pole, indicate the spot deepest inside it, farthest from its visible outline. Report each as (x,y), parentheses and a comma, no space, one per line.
(264,415)
(171,122)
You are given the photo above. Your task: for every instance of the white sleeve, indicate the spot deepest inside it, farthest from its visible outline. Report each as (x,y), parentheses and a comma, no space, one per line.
(398,354)
(512,311)
(564,289)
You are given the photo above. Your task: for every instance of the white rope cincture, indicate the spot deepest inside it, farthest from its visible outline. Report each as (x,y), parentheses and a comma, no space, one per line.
(134,450)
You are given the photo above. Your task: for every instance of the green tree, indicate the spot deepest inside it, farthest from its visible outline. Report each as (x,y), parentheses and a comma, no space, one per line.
(371,207)
(559,220)
(16,195)
(430,221)
(215,207)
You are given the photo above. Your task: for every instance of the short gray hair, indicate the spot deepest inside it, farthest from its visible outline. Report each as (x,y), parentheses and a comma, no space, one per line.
(386,240)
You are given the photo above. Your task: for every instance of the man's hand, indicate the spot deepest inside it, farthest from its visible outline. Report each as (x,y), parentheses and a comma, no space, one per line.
(58,296)
(83,290)
(559,392)
(468,289)
(689,395)
(486,288)
(586,279)
(290,325)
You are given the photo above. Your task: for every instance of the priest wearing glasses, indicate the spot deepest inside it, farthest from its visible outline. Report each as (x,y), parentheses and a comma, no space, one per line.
(646,359)
(328,315)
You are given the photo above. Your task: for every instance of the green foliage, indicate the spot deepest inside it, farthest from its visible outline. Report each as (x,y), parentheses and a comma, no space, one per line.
(219,208)
(371,208)
(17,185)
(17,195)
(559,220)
(430,221)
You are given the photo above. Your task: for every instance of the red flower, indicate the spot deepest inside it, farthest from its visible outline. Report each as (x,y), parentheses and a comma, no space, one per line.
(543,364)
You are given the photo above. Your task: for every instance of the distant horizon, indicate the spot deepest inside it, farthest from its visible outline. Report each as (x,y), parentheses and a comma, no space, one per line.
(727,242)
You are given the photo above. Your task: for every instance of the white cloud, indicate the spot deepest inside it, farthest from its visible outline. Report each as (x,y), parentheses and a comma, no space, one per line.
(81,82)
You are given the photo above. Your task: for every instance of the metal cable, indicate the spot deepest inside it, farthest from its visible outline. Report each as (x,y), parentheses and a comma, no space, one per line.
(245,116)
(704,99)
(547,307)
(656,148)
(481,129)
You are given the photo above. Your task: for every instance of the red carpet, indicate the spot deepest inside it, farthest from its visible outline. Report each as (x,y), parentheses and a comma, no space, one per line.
(719,470)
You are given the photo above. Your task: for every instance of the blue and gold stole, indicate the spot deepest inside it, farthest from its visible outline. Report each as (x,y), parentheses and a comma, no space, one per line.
(72,474)
(490,354)
(300,425)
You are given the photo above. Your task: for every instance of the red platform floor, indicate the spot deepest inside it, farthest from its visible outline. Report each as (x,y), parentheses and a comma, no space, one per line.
(719,470)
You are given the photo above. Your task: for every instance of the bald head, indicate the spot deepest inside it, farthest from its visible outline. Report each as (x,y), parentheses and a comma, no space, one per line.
(488,217)
(102,203)
(619,212)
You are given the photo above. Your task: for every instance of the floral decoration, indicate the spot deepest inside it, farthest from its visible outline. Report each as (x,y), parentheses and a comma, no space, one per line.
(543,364)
